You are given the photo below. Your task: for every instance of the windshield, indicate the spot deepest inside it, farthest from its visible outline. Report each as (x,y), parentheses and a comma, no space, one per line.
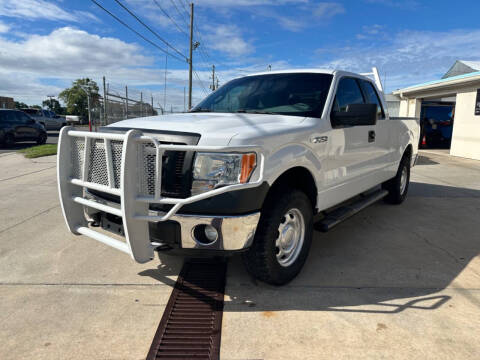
(302,94)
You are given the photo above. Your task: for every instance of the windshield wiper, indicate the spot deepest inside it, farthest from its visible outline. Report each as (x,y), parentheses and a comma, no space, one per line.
(254,112)
(200,110)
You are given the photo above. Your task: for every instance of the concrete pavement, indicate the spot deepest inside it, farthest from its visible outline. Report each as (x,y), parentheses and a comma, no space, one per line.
(68,297)
(392,282)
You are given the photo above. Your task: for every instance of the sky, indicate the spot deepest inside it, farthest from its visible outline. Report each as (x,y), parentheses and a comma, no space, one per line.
(46,44)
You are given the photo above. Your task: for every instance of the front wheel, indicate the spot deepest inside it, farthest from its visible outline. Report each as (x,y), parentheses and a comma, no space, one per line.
(42,139)
(398,186)
(9,140)
(282,239)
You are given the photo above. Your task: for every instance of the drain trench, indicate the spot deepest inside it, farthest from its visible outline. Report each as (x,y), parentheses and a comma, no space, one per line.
(191,324)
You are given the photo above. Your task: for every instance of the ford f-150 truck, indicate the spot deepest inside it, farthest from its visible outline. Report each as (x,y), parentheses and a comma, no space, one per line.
(250,169)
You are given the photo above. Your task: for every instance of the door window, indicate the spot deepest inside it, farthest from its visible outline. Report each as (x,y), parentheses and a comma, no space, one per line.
(8,117)
(348,92)
(22,117)
(372,98)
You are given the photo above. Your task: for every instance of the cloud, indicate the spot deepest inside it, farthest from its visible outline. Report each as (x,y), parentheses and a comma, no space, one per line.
(372,31)
(407,4)
(41,9)
(4,27)
(66,51)
(409,57)
(328,10)
(228,39)
(246,3)
(39,65)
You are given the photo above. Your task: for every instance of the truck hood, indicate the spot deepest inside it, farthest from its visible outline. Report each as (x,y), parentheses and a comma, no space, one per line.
(214,128)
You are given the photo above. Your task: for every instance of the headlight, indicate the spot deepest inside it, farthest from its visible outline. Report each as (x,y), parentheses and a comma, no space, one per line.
(213,170)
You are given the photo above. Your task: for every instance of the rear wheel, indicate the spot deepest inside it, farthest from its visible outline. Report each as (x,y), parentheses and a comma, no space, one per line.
(398,186)
(282,239)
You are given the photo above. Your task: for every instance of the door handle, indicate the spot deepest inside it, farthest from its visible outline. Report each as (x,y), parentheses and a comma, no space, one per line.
(371,136)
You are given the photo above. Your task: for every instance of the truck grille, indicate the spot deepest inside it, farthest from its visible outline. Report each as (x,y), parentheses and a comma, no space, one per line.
(176,181)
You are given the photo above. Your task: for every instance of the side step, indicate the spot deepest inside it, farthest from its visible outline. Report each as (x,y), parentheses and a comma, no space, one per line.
(342,213)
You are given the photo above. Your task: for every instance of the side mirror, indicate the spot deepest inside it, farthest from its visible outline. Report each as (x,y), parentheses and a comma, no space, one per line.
(356,115)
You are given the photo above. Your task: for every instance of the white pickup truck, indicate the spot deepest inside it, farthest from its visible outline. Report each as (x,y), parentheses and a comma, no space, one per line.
(250,169)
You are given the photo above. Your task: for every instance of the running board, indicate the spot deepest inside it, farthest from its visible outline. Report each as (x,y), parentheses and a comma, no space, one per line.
(342,213)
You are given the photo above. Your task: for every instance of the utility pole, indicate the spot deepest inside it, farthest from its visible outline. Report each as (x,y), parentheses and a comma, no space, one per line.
(184,97)
(190,60)
(217,84)
(212,87)
(151,98)
(126,102)
(165,86)
(104,102)
(141,104)
(89,112)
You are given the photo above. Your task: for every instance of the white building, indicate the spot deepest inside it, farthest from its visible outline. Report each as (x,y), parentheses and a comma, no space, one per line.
(459,87)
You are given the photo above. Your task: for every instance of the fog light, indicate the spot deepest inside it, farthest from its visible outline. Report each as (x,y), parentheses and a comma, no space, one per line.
(211,233)
(205,234)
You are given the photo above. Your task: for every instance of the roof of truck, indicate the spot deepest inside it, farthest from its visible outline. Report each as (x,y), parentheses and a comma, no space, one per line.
(290,71)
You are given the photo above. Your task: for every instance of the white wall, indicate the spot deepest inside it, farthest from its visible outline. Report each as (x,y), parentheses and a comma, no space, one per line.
(410,107)
(466,128)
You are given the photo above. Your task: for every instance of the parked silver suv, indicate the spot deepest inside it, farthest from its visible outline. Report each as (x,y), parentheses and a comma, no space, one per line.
(47,118)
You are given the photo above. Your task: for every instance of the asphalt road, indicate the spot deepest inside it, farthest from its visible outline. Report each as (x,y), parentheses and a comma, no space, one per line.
(52,139)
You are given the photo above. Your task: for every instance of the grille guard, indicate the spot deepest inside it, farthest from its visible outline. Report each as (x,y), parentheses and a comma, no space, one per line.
(73,175)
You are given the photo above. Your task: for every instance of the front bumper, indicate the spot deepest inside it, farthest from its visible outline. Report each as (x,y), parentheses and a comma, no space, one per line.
(113,163)
(234,232)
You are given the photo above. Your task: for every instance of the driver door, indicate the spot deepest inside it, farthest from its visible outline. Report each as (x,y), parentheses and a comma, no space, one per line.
(351,149)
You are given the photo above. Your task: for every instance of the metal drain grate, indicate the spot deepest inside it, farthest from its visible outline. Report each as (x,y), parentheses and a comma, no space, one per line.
(191,324)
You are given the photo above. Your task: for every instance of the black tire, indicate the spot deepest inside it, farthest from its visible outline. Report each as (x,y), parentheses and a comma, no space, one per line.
(42,139)
(9,140)
(397,194)
(261,259)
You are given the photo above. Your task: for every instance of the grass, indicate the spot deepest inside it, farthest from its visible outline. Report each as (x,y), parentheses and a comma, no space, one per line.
(40,150)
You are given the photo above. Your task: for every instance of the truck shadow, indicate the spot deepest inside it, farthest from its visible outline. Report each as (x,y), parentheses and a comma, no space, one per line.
(386,259)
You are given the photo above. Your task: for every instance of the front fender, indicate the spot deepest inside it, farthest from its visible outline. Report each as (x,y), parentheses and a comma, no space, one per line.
(290,156)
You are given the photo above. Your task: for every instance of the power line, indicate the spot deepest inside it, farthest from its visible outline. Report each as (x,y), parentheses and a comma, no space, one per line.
(150,29)
(201,82)
(202,49)
(180,13)
(171,19)
(136,32)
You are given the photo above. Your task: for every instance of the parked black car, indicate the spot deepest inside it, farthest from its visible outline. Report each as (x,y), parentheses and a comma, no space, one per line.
(16,126)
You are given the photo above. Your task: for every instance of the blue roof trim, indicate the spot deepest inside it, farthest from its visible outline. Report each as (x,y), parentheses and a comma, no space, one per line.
(476,73)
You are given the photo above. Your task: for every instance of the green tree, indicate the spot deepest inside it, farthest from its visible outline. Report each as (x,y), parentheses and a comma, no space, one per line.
(20,105)
(55,106)
(75,97)
(36,107)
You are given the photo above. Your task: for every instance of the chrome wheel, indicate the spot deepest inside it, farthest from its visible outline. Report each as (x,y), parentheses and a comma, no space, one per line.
(403,180)
(291,235)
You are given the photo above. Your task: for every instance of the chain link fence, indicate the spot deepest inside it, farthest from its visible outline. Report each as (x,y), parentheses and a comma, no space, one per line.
(119,102)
